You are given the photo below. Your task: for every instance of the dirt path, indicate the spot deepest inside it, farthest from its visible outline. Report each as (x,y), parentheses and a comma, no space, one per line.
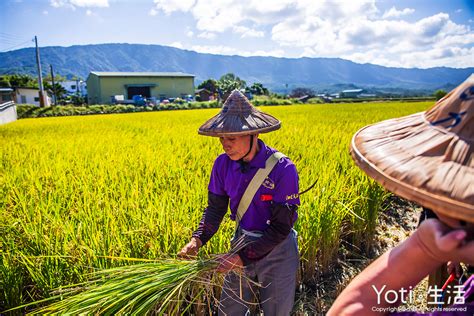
(395,224)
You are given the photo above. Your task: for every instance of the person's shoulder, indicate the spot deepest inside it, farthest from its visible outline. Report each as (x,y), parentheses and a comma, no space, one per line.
(287,165)
(222,157)
(285,162)
(222,160)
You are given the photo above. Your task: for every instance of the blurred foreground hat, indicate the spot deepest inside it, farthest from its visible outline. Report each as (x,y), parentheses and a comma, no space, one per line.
(426,157)
(239,117)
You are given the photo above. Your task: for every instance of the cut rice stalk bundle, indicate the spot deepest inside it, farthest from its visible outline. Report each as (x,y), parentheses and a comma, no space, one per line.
(157,287)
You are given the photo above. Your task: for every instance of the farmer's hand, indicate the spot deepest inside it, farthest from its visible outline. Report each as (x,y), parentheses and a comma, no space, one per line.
(228,262)
(191,249)
(443,244)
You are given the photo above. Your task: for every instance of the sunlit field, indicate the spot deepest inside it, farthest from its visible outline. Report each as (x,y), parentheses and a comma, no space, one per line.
(76,191)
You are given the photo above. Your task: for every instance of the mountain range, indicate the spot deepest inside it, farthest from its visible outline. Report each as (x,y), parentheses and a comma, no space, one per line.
(277,74)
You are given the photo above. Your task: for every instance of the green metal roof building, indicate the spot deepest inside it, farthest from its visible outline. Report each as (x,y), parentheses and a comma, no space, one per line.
(102,87)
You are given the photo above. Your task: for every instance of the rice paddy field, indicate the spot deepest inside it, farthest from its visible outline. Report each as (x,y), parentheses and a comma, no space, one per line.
(77,191)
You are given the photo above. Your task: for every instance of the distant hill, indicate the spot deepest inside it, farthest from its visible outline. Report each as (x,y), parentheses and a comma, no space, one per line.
(278,74)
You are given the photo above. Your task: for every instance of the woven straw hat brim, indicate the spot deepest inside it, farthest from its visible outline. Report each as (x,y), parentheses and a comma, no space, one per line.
(225,124)
(419,162)
(239,117)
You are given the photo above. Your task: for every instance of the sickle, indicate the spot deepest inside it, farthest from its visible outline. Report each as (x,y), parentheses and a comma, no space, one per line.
(312,186)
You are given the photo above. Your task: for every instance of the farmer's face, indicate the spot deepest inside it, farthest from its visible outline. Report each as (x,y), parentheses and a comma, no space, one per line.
(235,146)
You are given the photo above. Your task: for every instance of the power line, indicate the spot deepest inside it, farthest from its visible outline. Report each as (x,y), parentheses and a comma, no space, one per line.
(7,41)
(11,42)
(10,48)
(8,35)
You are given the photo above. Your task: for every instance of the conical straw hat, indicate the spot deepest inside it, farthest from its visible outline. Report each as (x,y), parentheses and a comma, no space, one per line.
(426,157)
(239,117)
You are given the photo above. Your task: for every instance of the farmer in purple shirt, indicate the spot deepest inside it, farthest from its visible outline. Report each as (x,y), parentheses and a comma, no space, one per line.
(263,206)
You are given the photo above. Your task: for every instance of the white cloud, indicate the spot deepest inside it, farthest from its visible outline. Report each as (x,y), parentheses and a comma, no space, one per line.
(61,3)
(227,50)
(367,33)
(437,57)
(373,57)
(431,26)
(458,11)
(207,35)
(353,29)
(217,15)
(247,32)
(268,6)
(220,50)
(169,6)
(79,3)
(274,53)
(152,12)
(90,3)
(394,13)
(176,44)
(387,42)
(456,40)
(89,13)
(45,12)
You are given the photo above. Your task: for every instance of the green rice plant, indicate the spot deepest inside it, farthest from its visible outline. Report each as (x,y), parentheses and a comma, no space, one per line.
(161,287)
(134,185)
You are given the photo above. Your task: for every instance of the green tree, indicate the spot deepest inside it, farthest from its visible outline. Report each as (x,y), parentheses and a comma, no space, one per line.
(18,80)
(78,100)
(300,92)
(57,78)
(4,82)
(258,89)
(229,82)
(233,78)
(57,90)
(209,84)
(439,94)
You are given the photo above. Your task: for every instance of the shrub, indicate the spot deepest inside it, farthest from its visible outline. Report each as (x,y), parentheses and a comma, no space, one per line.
(31,111)
(315,101)
(25,110)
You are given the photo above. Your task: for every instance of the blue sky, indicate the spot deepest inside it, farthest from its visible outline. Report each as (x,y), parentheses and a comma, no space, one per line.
(417,33)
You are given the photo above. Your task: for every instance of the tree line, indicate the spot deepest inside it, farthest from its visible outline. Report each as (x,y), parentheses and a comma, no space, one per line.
(220,88)
(27,81)
(229,82)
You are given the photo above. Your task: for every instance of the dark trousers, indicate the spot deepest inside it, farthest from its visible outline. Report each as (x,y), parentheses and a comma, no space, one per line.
(276,274)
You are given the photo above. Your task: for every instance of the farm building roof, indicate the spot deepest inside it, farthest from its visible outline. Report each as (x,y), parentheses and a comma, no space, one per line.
(140,74)
(352,91)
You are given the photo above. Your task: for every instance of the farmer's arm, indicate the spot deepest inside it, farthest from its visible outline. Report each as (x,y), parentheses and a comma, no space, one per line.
(212,217)
(401,267)
(217,204)
(210,222)
(283,214)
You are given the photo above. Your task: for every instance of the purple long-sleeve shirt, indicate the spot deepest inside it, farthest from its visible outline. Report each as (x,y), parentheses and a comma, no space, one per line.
(272,210)
(281,184)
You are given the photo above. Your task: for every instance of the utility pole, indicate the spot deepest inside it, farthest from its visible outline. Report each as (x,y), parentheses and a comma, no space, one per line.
(54,88)
(40,78)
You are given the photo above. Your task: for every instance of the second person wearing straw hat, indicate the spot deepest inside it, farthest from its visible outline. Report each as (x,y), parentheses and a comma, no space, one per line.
(260,185)
(427,158)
